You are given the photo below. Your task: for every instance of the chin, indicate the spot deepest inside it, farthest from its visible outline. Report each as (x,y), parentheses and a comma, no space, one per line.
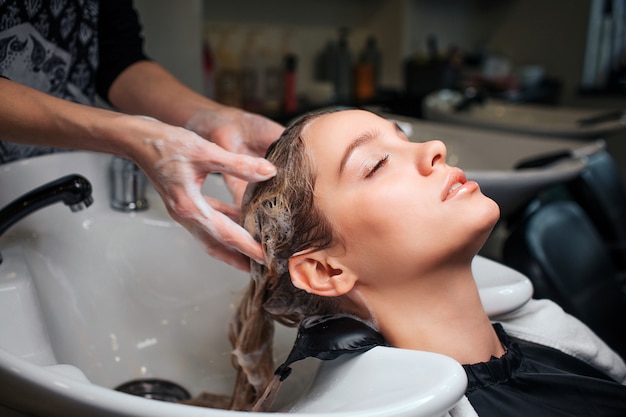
(495,211)
(489,218)
(490,209)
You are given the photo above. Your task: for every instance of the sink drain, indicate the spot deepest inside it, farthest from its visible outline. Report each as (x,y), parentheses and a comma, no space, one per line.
(155,389)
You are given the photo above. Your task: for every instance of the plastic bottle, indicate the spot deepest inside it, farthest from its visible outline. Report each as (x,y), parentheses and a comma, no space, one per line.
(326,62)
(343,68)
(367,72)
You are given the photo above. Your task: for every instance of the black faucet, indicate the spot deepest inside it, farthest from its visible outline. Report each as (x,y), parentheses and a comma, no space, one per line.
(73,190)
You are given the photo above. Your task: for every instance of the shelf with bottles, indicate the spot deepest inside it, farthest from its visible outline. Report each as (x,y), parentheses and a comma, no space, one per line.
(278,71)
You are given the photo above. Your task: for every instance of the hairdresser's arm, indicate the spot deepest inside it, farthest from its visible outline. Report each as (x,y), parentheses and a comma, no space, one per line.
(31,117)
(147,88)
(175,159)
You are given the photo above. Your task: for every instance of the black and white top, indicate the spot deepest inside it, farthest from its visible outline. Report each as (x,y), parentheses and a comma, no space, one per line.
(554,365)
(540,381)
(71,49)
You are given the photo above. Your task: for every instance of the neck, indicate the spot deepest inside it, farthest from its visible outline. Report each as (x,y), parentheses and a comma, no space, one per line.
(439,313)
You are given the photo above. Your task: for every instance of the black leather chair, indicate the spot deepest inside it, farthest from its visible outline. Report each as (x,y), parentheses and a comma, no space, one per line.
(601,192)
(564,256)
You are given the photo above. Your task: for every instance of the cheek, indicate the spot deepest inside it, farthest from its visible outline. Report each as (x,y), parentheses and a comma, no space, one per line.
(387,221)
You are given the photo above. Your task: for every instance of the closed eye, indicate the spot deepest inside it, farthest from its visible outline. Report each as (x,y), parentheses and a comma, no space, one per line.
(381,163)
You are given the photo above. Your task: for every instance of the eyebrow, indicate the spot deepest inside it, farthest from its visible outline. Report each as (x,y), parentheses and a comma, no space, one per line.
(361,140)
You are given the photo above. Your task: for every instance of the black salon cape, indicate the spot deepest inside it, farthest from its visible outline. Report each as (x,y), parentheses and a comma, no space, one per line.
(532,380)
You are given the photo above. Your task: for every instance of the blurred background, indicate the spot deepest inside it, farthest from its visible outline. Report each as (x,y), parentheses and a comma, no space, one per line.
(280,57)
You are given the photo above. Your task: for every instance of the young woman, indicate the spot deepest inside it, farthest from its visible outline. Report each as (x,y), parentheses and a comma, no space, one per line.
(361,221)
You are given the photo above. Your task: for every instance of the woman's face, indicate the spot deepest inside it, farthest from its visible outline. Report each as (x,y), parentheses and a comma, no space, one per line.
(396,205)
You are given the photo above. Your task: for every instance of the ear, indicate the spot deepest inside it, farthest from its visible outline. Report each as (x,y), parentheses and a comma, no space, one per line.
(320,273)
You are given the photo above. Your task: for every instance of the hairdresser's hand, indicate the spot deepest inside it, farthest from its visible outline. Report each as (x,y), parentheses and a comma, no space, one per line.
(236,131)
(177,162)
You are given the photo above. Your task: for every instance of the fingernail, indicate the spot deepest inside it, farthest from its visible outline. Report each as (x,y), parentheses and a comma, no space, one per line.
(260,261)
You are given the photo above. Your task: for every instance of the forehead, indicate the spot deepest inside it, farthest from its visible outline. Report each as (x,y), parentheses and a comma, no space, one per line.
(335,130)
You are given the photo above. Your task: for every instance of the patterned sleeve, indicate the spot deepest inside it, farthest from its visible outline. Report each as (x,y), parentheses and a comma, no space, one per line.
(120,42)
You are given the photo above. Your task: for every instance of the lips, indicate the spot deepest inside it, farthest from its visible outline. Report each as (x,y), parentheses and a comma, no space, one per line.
(454,183)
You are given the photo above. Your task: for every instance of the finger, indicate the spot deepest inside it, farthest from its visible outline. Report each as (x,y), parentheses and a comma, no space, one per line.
(226,247)
(245,167)
(233,258)
(213,224)
(236,237)
(230,210)
(212,227)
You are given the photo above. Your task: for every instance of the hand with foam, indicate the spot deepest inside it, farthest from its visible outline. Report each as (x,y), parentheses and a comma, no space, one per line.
(175,159)
(236,131)
(177,162)
(226,140)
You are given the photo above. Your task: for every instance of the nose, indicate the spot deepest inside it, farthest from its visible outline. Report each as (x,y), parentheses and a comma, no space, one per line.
(429,155)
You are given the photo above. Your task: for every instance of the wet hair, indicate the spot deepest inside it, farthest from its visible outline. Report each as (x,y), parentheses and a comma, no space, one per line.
(281,214)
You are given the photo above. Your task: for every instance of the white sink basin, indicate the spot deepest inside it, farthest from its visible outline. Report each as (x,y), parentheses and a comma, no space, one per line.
(490,158)
(523,118)
(93,299)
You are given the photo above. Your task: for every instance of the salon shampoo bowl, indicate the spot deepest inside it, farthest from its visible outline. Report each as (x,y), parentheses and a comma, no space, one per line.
(93,299)
(547,121)
(381,382)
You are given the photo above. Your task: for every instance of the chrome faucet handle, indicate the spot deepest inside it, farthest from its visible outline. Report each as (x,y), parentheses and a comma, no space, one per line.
(128,186)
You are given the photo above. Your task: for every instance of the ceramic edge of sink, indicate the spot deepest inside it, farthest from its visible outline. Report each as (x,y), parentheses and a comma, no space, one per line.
(68,390)
(438,382)
(63,392)
(501,288)
(527,182)
(531,177)
(29,339)
(582,133)
(439,106)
